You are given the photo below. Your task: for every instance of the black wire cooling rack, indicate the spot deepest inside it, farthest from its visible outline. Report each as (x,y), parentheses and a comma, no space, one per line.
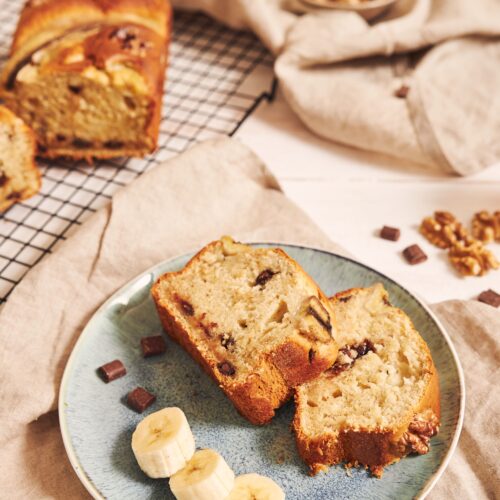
(207,94)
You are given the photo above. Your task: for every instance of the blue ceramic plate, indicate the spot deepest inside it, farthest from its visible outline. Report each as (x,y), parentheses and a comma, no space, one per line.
(97,425)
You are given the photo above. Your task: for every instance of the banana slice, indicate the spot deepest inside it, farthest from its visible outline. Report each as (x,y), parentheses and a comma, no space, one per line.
(255,487)
(163,443)
(206,477)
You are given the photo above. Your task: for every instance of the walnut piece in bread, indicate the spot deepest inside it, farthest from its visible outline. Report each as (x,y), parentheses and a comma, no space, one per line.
(88,76)
(380,401)
(253,319)
(19,176)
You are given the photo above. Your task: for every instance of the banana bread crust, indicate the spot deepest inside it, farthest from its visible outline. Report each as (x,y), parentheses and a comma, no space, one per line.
(121,45)
(373,448)
(260,394)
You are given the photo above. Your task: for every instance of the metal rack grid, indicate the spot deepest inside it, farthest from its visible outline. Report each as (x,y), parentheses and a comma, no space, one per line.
(204,98)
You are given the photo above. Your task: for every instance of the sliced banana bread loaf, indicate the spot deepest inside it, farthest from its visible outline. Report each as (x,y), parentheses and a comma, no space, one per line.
(88,75)
(380,400)
(19,176)
(253,319)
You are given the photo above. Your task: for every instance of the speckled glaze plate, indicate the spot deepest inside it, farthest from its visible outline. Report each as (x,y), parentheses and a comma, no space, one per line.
(97,425)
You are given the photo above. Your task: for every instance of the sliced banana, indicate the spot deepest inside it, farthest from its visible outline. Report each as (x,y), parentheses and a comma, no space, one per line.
(163,443)
(255,487)
(206,477)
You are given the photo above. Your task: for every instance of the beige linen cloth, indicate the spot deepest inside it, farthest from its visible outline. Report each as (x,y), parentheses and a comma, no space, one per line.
(216,188)
(340,74)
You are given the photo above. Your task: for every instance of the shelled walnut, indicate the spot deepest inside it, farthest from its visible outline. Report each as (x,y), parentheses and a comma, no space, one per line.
(486,226)
(444,230)
(416,438)
(472,258)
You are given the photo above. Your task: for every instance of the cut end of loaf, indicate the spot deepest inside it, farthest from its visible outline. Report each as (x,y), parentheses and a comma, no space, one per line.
(93,93)
(380,400)
(253,319)
(19,176)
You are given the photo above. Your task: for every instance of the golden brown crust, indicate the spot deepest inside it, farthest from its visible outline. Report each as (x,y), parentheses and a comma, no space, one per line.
(372,448)
(257,398)
(146,25)
(54,17)
(33,186)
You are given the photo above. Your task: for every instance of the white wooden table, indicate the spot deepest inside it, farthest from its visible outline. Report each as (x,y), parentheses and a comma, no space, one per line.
(350,194)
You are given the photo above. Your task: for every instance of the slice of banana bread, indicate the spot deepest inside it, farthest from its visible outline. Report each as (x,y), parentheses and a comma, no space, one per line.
(19,176)
(380,400)
(253,319)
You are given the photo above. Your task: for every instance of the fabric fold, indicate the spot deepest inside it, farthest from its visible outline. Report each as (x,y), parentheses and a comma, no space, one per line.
(340,75)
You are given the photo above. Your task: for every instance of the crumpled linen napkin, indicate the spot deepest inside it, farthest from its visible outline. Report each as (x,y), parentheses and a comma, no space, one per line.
(218,187)
(340,74)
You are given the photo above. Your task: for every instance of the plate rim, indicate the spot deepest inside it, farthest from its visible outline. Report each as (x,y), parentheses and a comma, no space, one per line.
(63,424)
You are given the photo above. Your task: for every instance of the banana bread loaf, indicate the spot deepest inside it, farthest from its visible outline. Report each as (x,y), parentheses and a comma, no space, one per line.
(253,319)
(380,400)
(88,75)
(19,176)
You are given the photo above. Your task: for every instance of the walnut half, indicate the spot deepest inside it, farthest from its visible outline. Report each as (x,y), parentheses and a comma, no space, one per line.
(472,259)
(416,439)
(443,230)
(486,226)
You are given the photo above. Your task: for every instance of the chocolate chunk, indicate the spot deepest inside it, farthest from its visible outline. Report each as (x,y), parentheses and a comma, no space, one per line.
(129,102)
(365,347)
(414,255)
(319,313)
(76,89)
(264,277)
(312,354)
(390,233)
(113,144)
(112,370)
(402,92)
(227,341)
(3,179)
(15,195)
(338,368)
(490,297)
(139,399)
(60,137)
(152,346)
(352,353)
(345,299)
(81,143)
(226,368)
(186,307)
